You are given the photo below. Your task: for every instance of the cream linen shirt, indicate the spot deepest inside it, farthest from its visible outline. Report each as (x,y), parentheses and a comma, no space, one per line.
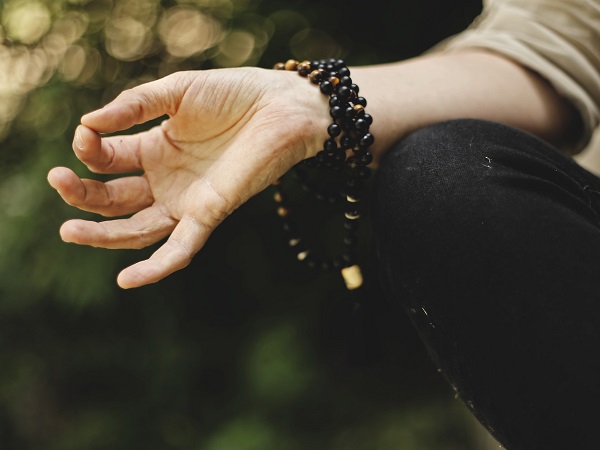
(559,39)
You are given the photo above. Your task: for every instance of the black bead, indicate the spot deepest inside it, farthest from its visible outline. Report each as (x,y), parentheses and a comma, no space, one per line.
(346,81)
(347,142)
(361,125)
(334,101)
(350,240)
(360,101)
(339,64)
(350,112)
(343,92)
(339,155)
(353,182)
(353,163)
(289,227)
(348,258)
(368,118)
(366,159)
(346,124)
(310,162)
(363,172)
(334,130)
(367,140)
(329,67)
(354,87)
(321,157)
(336,112)
(344,71)
(351,225)
(336,263)
(326,87)
(330,145)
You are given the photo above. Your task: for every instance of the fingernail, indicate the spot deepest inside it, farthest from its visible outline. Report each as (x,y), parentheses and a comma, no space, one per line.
(78,140)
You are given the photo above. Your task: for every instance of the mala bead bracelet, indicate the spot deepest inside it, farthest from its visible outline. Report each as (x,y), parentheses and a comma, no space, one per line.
(344,152)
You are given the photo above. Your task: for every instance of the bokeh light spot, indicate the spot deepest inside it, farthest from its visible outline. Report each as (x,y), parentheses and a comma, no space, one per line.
(127,39)
(235,49)
(187,31)
(312,43)
(26,21)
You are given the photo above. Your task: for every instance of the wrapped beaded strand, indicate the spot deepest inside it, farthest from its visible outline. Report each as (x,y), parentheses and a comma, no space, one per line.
(345,151)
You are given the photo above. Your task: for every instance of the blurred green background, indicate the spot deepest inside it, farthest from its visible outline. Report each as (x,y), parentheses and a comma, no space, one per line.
(244,349)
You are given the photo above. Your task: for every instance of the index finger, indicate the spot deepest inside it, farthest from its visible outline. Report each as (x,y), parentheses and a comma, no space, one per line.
(140,104)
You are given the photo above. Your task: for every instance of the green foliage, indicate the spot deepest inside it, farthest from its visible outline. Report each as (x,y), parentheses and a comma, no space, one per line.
(242,350)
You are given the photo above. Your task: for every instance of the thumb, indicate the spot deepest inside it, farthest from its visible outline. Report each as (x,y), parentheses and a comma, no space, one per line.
(140,104)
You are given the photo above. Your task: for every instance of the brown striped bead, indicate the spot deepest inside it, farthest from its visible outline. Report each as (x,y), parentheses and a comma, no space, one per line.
(360,109)
(279,66)
(334,80)
(304,68)
(317,75)
(291,64)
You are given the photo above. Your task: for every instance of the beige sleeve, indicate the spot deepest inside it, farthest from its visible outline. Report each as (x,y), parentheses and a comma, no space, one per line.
(559,39)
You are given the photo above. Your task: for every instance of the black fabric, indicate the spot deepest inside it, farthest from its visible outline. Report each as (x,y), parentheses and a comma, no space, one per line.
(490,240)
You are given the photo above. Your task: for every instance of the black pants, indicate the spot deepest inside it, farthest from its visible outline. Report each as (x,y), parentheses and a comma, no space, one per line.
(490,240)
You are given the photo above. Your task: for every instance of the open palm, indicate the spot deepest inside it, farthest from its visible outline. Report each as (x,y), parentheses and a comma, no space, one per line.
(230,133)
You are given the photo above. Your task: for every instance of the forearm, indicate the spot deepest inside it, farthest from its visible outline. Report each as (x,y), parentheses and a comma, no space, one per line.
(415,93)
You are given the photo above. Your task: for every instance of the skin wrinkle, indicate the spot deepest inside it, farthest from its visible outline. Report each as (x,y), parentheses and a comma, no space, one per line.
(180,248)
(111,154)
(110,195)
(218,213)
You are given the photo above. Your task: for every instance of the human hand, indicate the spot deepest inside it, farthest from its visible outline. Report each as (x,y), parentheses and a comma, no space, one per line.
(229,135)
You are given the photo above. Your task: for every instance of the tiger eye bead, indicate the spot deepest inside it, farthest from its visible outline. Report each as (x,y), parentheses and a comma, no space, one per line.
(316,75)
(359,109)
(352,214)
(334,81)
(304,68)
(279,66)
(282,212)
(291,64)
